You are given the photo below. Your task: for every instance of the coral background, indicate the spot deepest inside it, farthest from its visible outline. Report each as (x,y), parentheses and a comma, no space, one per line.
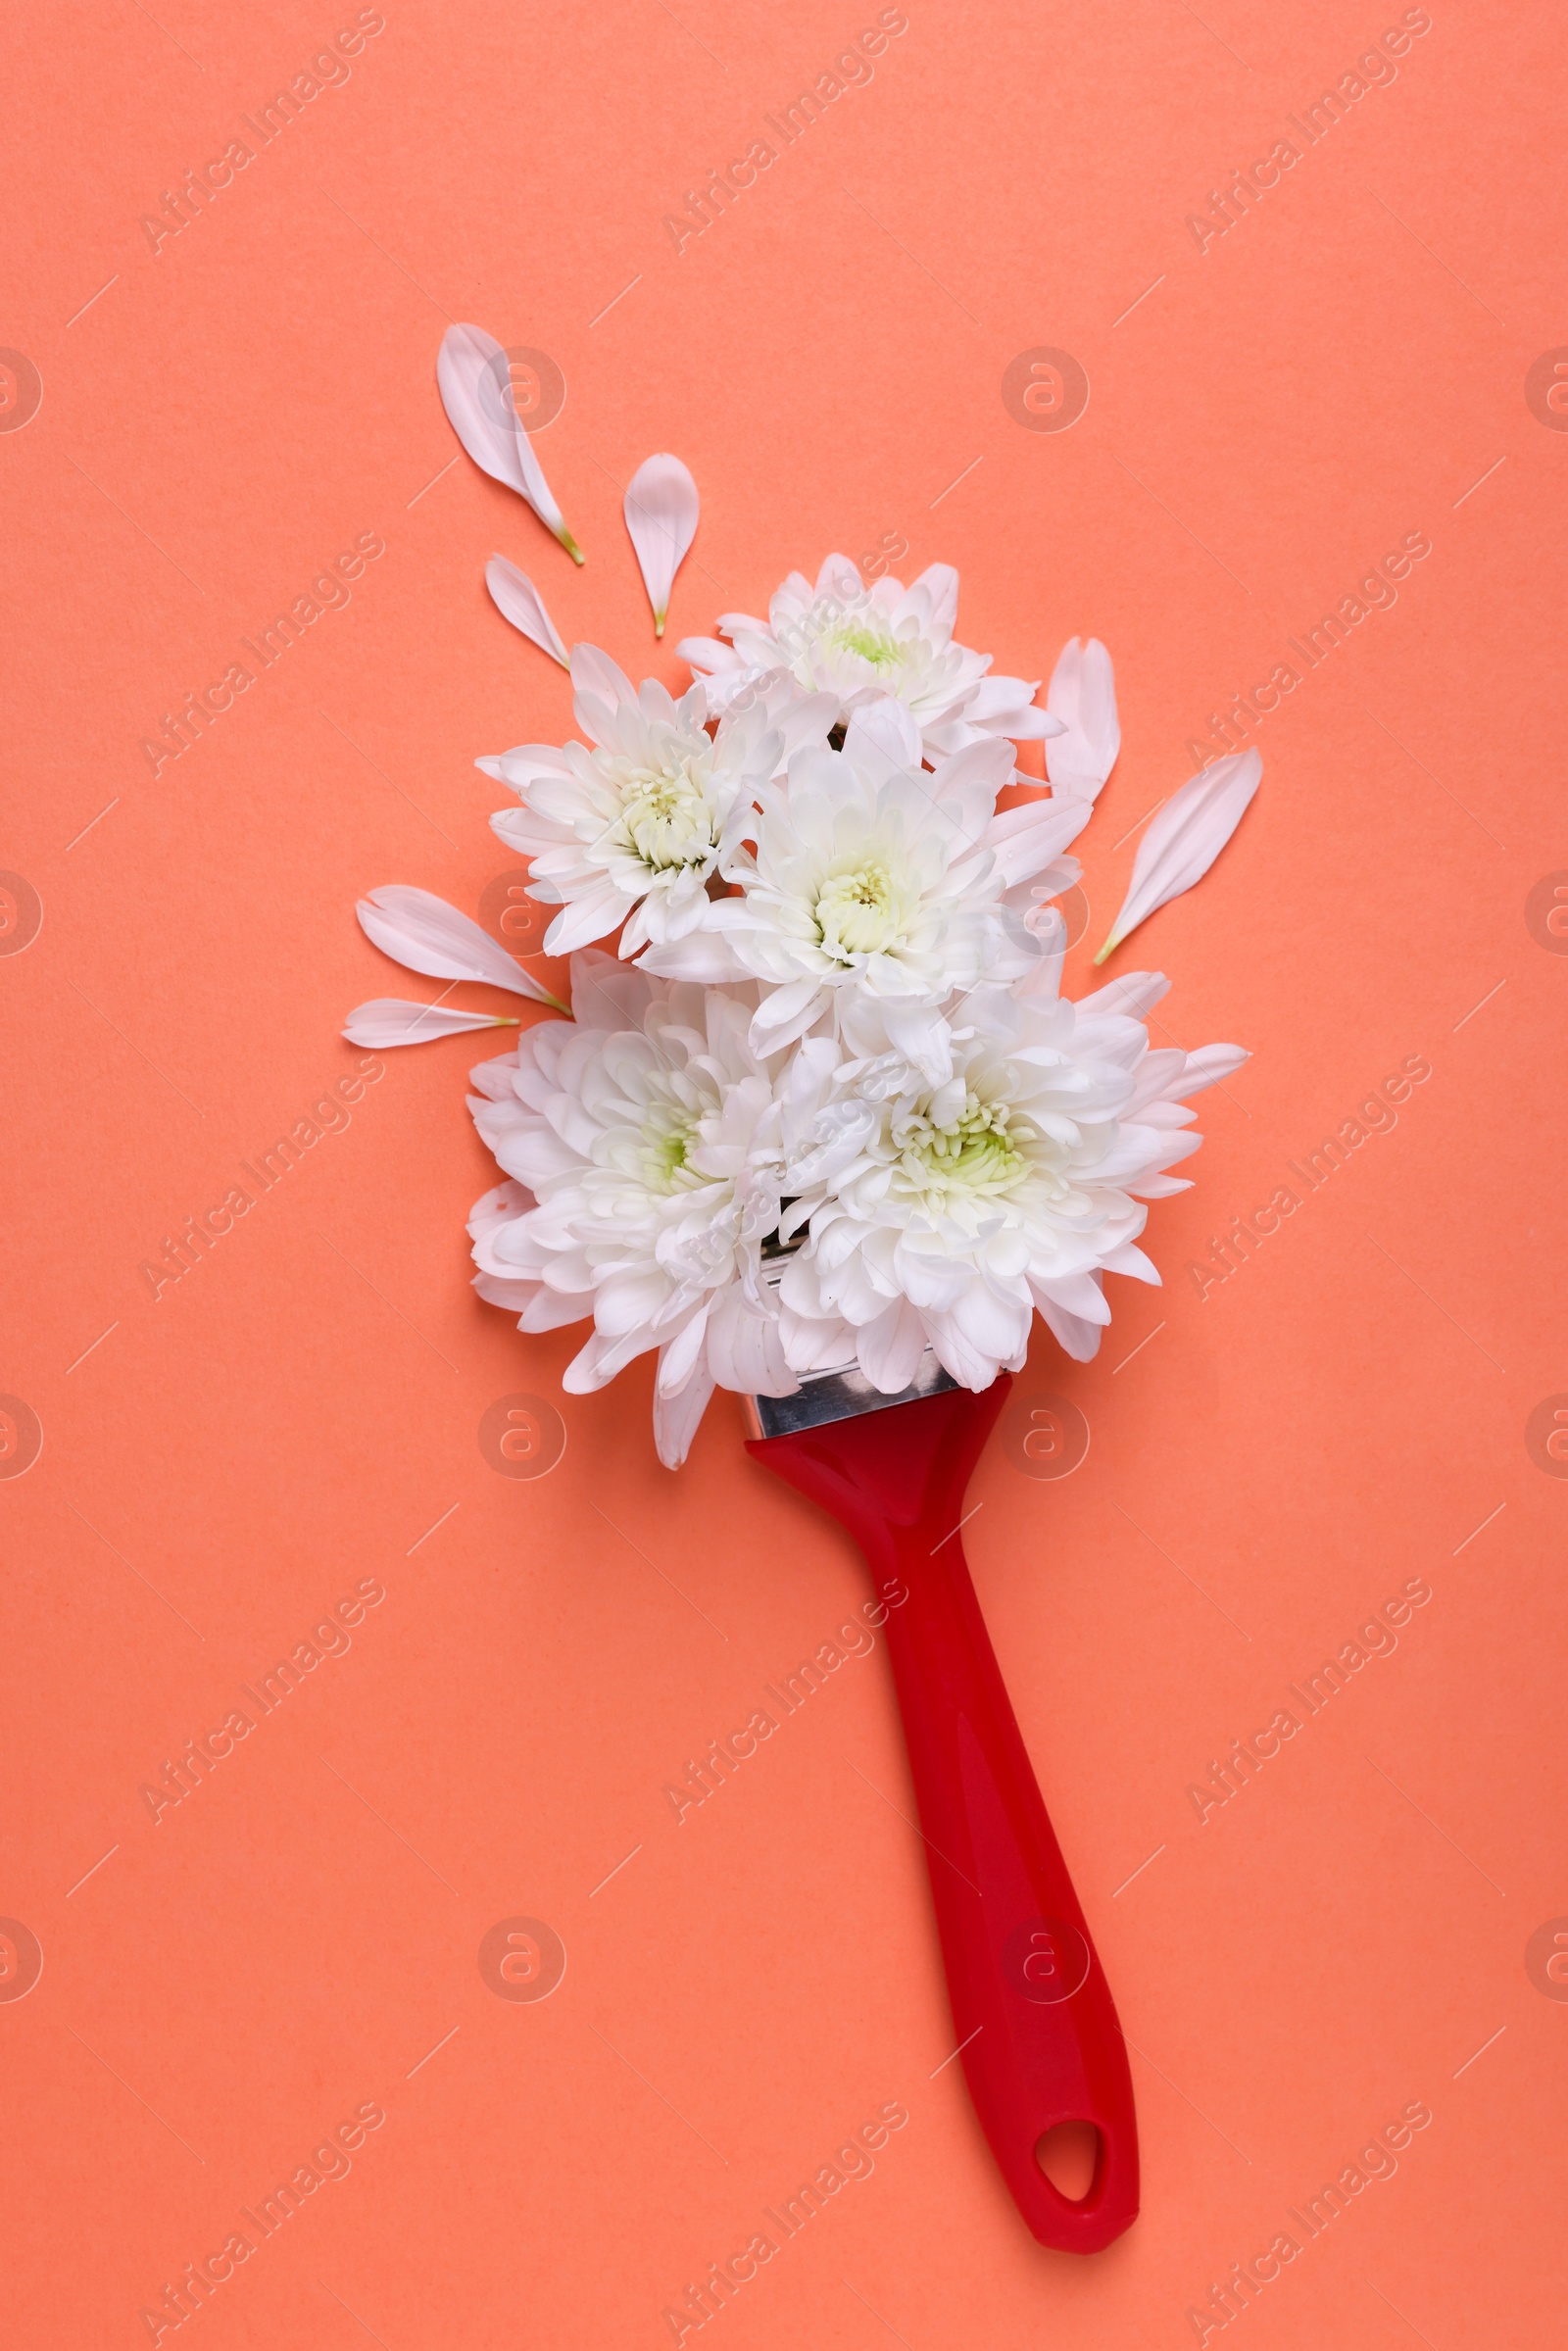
(298,1938)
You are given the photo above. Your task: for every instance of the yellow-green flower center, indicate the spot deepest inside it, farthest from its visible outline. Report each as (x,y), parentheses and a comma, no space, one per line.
(858,912)
(975,1154)
(859,637)
(665,815)
(666,1140)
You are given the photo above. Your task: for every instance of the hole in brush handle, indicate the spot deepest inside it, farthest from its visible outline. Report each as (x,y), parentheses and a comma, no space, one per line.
(1071,2154)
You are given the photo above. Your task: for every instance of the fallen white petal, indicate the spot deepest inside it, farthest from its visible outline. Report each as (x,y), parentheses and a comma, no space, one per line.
(517,600)
(424,934)
(476,381)
(662,511)
(1186,837)
(391,1020)
(1082,693)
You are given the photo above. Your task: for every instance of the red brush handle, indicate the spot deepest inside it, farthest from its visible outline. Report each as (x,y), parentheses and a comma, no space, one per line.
(1030,2001)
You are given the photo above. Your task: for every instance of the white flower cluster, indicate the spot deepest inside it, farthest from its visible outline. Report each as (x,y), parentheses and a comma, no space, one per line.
(832,1041)
(826,1107)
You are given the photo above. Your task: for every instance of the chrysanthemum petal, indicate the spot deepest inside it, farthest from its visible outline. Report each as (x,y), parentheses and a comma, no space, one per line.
(704,956)
(424,934)
(1209,1065)
(1073,1335)
(676,1417)
(1047,927)
(474,377)
(594,672)
(1186,837)
(592,915)
(1132,995)
(711,658)
(517,600)
(1024,838)
(1082,693)
(940,584)
(390,1020)
(662,508)
(883,726)
(890,1348)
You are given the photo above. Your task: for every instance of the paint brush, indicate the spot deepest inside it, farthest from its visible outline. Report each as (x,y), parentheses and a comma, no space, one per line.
(1033,2017)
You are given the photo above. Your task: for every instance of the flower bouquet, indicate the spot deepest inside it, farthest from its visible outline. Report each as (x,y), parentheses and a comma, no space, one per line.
(820,1128)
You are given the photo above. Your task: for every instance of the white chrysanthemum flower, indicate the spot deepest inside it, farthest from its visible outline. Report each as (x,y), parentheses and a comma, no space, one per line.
(948,1216)
(645,1150)
(854,641)
(628,827)
(875,882)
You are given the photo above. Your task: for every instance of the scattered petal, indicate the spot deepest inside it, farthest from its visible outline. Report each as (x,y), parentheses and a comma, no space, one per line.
(517,600)
(662,511)
(1186,837)
(1082,693)
(476,379)
(424,934)
(391,1020)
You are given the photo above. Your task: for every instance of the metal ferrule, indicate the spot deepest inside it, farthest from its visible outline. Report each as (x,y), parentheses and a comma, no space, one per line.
(840,1392)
